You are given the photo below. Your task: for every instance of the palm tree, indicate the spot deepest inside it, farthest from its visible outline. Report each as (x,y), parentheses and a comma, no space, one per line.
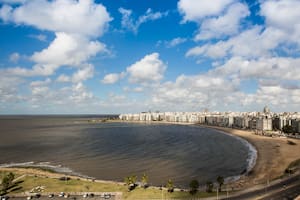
(7,181)
(130,182)
(209,186)
(145,180)
(220,180)
(194,184)
(170,185)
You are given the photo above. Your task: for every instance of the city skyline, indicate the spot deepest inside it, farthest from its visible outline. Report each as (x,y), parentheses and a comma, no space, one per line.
(86,56)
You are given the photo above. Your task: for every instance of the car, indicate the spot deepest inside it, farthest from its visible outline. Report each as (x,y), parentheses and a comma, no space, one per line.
(51,195)
(66,196)
(4,197)
(91,195)
(62,194)
(37,195)
(107,196)
(85,195)
(28,198)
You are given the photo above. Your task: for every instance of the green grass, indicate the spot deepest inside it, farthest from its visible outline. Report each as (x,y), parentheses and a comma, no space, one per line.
(27,183)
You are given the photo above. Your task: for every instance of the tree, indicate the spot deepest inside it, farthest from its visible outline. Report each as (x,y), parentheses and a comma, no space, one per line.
(209,186)
(287,129)
(130,182)
(170,186)
(220,180)
(144,180)
(7,181)
(194,184)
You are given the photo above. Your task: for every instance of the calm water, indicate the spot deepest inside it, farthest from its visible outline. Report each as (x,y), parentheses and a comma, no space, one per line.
(111,151)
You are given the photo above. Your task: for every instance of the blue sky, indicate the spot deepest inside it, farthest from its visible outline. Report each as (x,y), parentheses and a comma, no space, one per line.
(93,57)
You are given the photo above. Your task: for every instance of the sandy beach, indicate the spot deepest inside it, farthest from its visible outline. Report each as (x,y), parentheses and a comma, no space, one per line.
(273,156)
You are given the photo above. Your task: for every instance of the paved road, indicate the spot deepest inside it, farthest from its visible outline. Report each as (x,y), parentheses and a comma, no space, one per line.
(287,189)
(287,194)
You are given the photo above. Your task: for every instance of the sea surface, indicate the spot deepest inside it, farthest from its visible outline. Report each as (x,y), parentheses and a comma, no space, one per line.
(112,151)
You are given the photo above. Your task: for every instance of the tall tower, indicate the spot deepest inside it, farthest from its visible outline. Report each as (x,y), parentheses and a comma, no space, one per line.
(266,110)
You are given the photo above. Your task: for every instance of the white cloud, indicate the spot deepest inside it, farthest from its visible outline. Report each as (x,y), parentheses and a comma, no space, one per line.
(278,68)
(80,93)
(82,17)
(14,57)
(193,10)
(68,49)
(40,37)
(86,72)
(283,15)
(111,78)
(9,91)
(47,81)
(37,70)
(74,30)
(63,78)
(175,42)
(193,92)
(129,23)
(5,13)
(251,43)
(148,69)
(224,25)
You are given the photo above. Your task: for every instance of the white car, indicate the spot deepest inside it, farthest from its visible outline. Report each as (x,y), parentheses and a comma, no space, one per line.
(28,198)
(62,194)
(51,195)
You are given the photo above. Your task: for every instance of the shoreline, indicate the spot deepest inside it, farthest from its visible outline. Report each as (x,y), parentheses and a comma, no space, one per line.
(273,155)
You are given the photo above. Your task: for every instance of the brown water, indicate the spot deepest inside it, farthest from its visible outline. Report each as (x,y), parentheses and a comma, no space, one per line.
(112,151)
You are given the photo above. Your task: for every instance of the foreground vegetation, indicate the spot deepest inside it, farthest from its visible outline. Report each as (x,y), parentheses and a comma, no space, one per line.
(25,183)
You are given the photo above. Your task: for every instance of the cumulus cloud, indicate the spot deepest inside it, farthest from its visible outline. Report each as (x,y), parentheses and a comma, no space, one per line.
(215,20)
(47,81)
(37,70)
(111,78)
(148,69)
(82,17)
(86,72)
(279,68)
(194,92)
(227,24)
(63,78)
(175,42)
(251,43)
(129,23)
(283,15)
(196,10)
(67,49)
(80,93)
(75,32)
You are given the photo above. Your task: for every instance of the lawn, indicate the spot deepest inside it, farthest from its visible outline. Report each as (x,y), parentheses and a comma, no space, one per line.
(27,183)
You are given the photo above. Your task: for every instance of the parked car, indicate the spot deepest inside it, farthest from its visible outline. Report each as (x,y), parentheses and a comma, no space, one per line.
(51,195)
(62,194)
(28,198)
(85,195)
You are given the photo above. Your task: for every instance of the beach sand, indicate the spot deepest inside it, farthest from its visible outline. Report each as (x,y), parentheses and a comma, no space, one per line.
(274,156)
